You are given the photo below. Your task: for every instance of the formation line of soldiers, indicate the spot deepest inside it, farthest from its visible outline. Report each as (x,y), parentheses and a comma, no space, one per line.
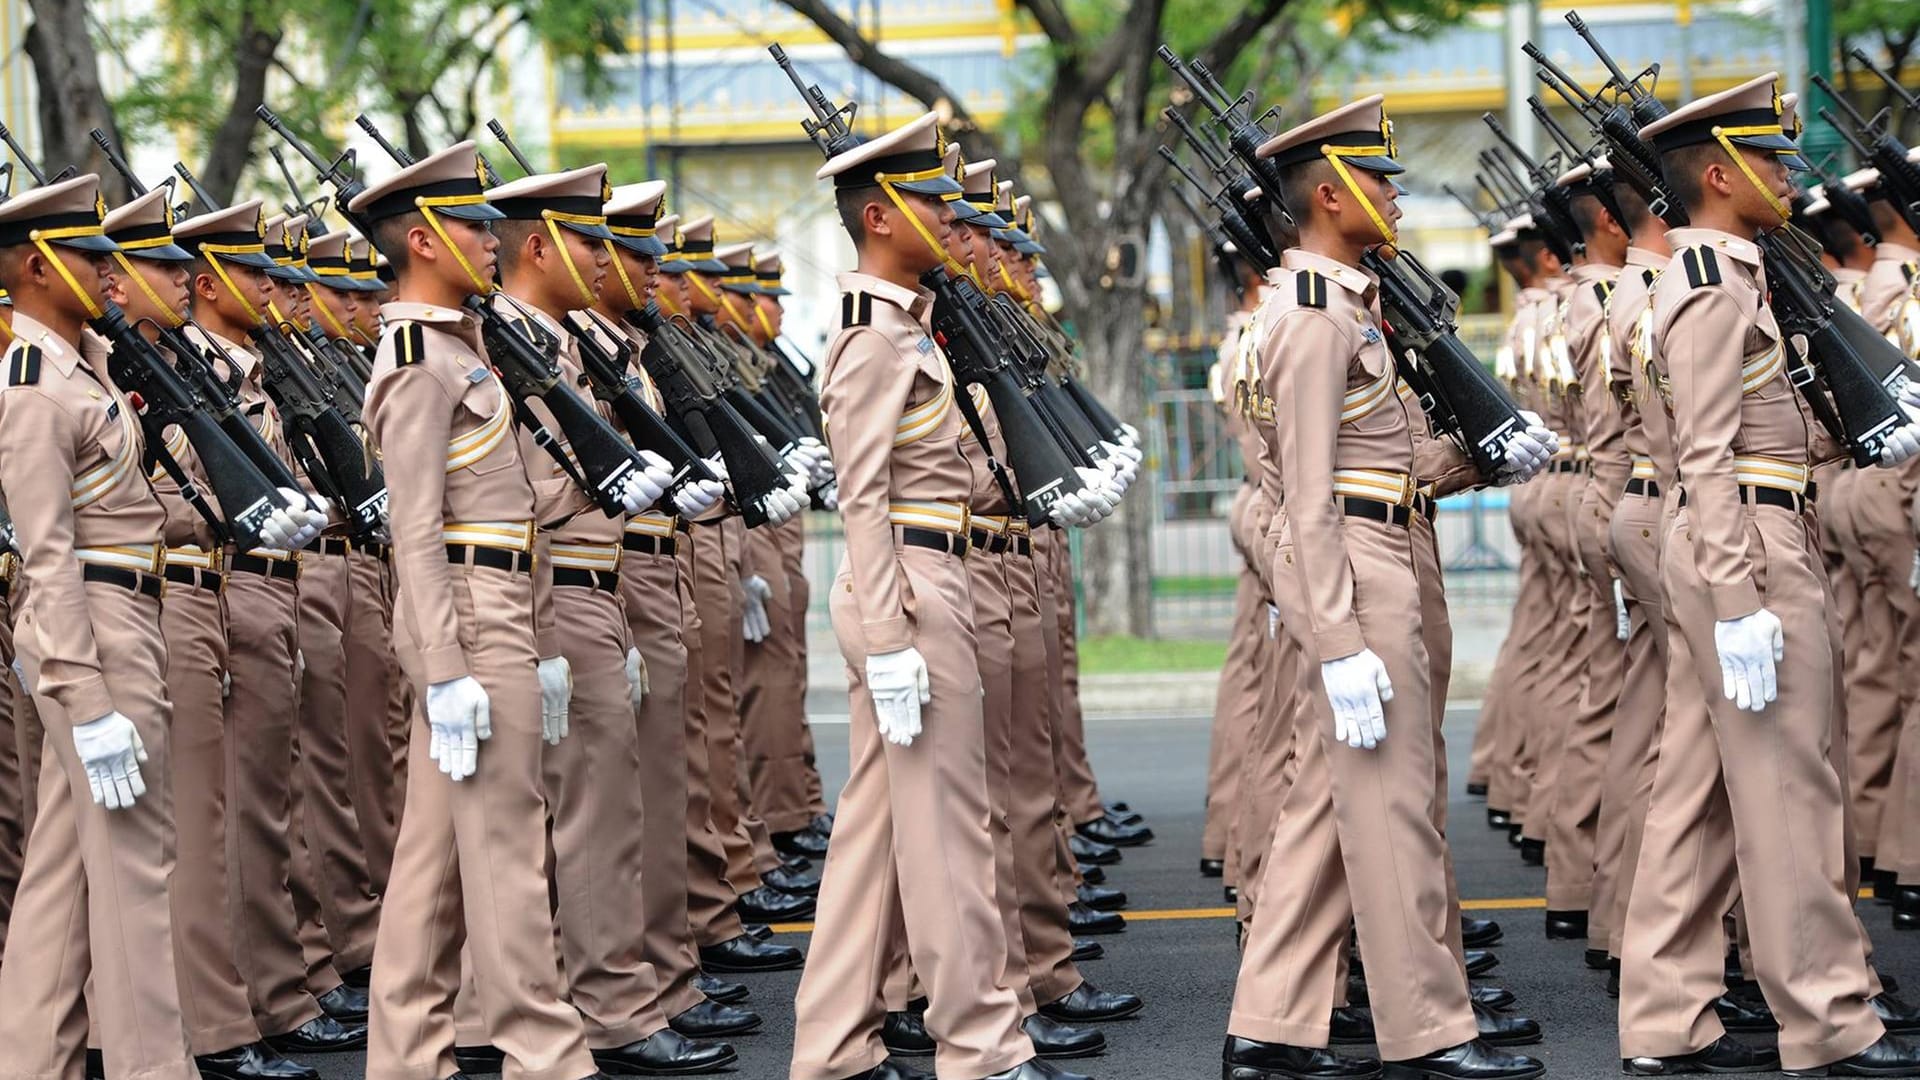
(1701,721)
(477,739)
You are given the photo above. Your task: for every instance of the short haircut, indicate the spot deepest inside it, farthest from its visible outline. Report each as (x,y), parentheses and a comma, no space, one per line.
(12,264)
(1835,234)
(1682,167)
(852,205)
(1522,257)
(513,233)
(1297,185)
(1586,209)
(390,237)
(1633,206)
(1886,216)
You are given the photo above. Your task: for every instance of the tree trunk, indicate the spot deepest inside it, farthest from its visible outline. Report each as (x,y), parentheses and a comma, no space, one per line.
(1117,557)
(232,145)
(71,102)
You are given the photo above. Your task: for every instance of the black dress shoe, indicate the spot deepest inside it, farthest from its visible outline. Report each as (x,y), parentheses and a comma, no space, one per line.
(797,882)
(1613,981)
(770,905)
(1498,819)
(1514,829)
(1356,988)
(1893,1055)
(822,824)
(1350,1026)
(1053,1039)
(1480,961)
(360,977)
(1036,1069)
(254,1061)
(1499,1029)
(1724,1055)
(1886,885)
(1092,851)
(1469,1061)
(1213,867)
(479,1060)
(1120,805)
(1597,959)
(1091,874)
(344,1003)
(1895,1015)
(320,1035)
(1085,950)
(1231,894)
(1245,1059)
(1101,898)
(712,1020)
(891,1070)
(743,953)
(1533,852)
(1083,920)
(905,1034)
(1089,1004)
(803,842)
(665,1053)
(714,988)
(96,1064)
(1493,997)
(1745,1013)
(1123,817)
(1479,933)
(1566,925)
(1104,831)
(758,931)
(1478,791)
(1906,907)
(1866,868)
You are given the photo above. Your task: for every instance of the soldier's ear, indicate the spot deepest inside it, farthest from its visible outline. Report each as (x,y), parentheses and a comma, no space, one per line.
(875,218)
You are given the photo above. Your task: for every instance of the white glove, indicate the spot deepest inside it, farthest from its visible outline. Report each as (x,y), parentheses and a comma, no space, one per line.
(820,468)
(1069,511)
(459,719)
(781,504)
(1527,453)
(1132,434)
(1622,622)
(754,622)
(898,683)
(636,677)
(20,675)
(1749,648)
(1908,393)
(226,684)
(305,510)
(1357,686)
(1913,576)
(830,495)
(556,690)
(644,486)
(1904,441)
(299,665)
(718,464)
(696,497)
(111,752)
(1273,622)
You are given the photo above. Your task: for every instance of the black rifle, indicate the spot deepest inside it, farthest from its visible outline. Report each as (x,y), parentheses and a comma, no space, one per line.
(611,376)
(1552,204)
(1846,203)
(1877,143)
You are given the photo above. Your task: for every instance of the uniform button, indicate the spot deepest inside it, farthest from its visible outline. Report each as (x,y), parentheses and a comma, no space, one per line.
(1646,532)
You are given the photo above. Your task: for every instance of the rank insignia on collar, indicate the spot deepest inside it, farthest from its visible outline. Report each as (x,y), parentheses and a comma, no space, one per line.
(1369,334)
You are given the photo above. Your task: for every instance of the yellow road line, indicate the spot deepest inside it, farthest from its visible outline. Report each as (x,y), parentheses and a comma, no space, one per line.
(1504,903)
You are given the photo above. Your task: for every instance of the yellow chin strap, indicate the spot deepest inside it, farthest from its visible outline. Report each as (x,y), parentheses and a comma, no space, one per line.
(335,328)
(173,318)
(1725,137)
(620,271)
(43,239)
(480,284)
(1012,285)
(766,324)
(893,194)
(1333,155)
(553,218)
(220,271)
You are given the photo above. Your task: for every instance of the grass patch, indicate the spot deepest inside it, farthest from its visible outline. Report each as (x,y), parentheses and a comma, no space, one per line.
(1178,585)
(1121,655)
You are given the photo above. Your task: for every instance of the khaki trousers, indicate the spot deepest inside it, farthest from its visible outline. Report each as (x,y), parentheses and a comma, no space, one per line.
(470,869)
(92,914)
(213,997)
(1750,802)
(1889,616)
(13,818)
(1363,821)
(373,678)
(1046,541)
(1574,818)
(773,692)
(1272,760)
(594,797)
(1558,685)
(716,589)
(1511,683)
(793,558)
(1237,702)
(1436,633)
(261,710)
(1079,793)
(993,654)
(1635,533)
(710,895)
(650,591)
(336,860)
(912,854)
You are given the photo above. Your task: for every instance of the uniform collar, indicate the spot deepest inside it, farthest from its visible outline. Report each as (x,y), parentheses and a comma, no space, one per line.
(236,354)
(1724,243)
(1351,278)
(1590,272)
(1639,256)
(407,311)
(53,348)
(513,307)
(1891,252)
(914,301)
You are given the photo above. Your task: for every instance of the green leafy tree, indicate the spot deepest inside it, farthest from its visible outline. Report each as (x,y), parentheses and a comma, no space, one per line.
(1888,31)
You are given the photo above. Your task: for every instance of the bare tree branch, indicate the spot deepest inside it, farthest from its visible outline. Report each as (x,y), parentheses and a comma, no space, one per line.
(1053,22)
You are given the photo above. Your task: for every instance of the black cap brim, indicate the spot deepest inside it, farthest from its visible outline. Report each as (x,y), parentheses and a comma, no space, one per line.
(674,266)
(1382,164)
(259,260)
(597,231)
(470,212)
(641,245)
(935,186)
(161,253)
(709,266)
(774,290)
(99,243)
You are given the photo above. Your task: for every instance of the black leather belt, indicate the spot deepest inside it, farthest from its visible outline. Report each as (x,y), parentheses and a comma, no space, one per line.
(1564,466)
(604,580)
(1642,486)
(194,578)
(1766,496)
(5,588)
(952,543)
(130,580)
(650,545)
(330,545)
(1425,505)
(991,543)
(1391,513)
(1022,545)
(513,562)
(283,569)
(375,549)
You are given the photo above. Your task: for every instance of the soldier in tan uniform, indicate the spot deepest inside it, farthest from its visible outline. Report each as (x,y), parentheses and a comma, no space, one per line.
(90,532)
(1750,683)
(231,296)
(1344,581)
(910,858)
(470,865)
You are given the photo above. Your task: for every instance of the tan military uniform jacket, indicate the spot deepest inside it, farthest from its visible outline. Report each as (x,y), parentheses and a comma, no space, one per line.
(1589,345)
(1643,412)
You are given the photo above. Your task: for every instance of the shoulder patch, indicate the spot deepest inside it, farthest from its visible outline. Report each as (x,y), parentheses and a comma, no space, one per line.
(856,309)
(1649,275)
(1701,265)
(23,367)
(1910,270)
(1603,290)
(409,345)
(1310,289)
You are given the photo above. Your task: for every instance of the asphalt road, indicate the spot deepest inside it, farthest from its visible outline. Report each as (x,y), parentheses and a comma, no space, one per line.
(1179,951)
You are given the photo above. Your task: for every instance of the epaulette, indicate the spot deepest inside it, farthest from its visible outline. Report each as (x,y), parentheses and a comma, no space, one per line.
(409,344)
(1910,270)
(1701,265)
(24,368)
(1650,275)
(856,309)
(1310,289)
(1604,291)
